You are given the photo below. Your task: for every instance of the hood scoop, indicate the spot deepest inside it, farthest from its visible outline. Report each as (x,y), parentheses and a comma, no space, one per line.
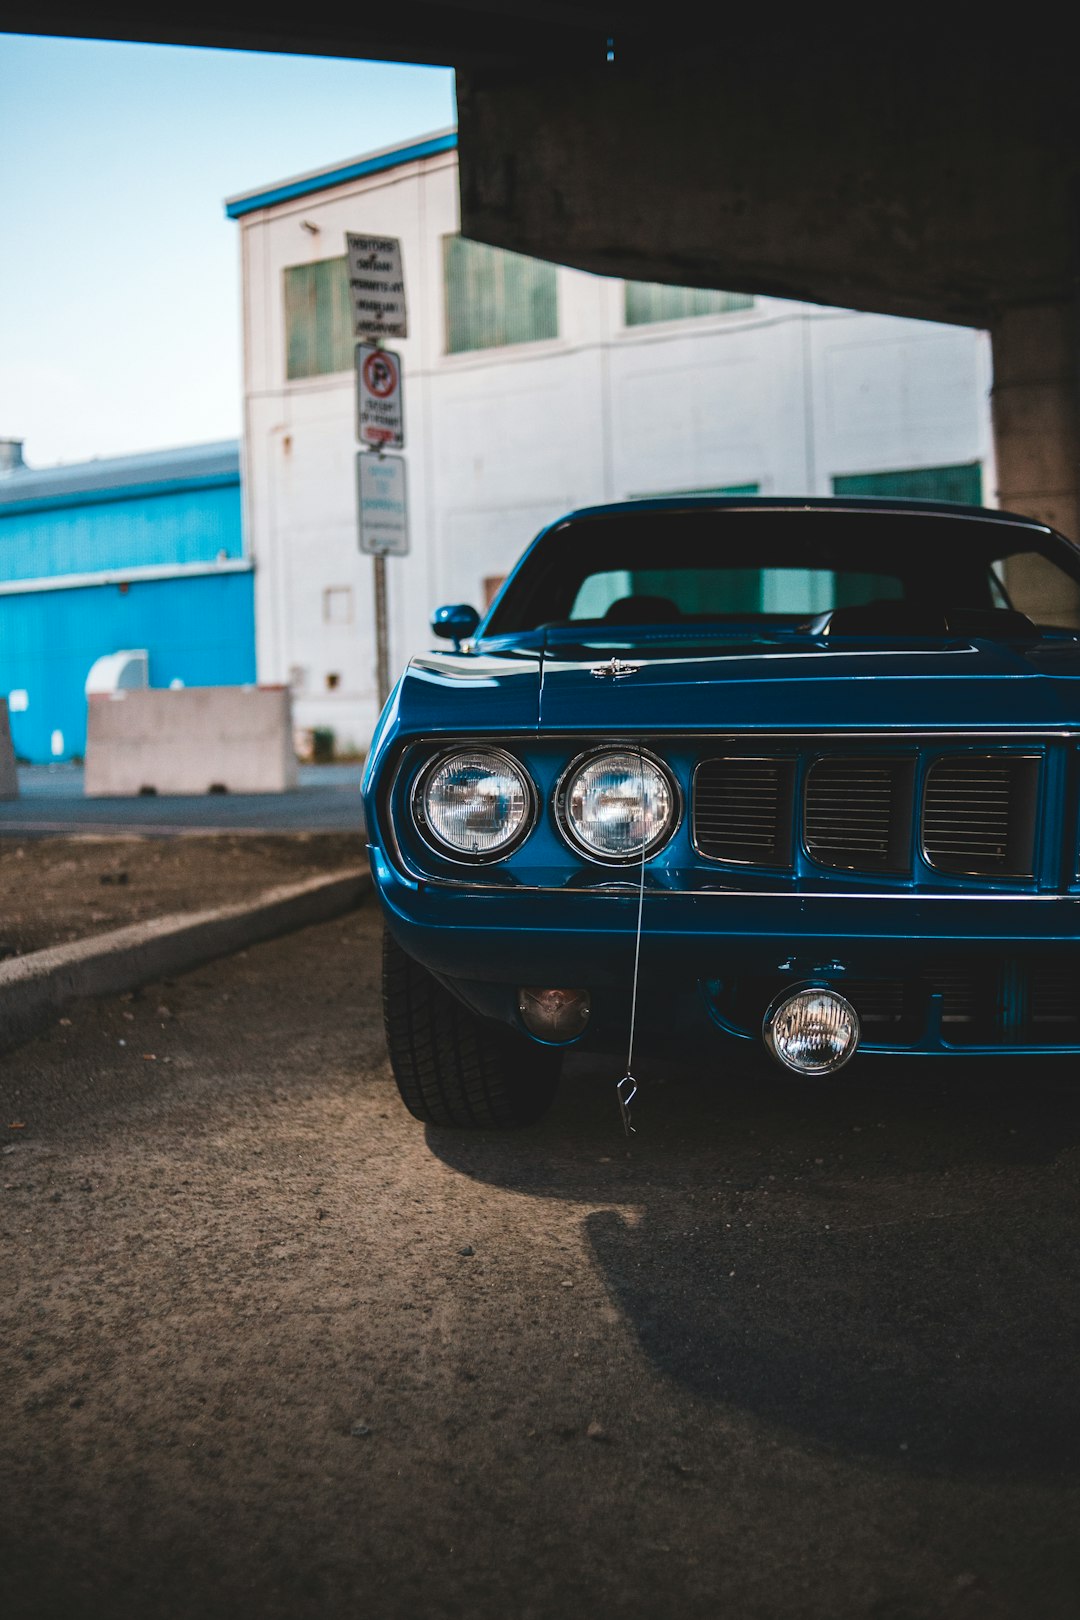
(904,619)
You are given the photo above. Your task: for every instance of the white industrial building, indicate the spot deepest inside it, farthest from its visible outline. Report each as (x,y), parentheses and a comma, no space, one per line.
(531,389)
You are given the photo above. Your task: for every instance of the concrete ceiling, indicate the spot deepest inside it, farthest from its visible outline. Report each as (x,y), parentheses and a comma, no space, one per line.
(882,165)
(441,32)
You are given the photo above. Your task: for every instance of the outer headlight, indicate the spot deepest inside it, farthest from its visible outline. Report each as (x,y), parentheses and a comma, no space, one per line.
(612,803)
(476,803)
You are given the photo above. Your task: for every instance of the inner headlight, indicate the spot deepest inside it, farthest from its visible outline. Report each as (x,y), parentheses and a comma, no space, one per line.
(477,803)
(614,803)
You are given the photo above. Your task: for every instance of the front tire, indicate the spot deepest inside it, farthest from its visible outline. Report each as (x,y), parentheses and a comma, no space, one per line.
(453,1068)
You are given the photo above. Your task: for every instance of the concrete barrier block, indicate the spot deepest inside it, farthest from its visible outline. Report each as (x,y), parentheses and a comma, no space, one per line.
(9,780)
(199,739)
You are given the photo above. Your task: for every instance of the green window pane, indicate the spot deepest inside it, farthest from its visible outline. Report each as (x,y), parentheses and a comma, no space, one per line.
(711,489)
(649,301)
(495,298)
(962,484)
(318,319)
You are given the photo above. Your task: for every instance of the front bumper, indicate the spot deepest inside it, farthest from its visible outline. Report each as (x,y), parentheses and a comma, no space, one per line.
(947,972)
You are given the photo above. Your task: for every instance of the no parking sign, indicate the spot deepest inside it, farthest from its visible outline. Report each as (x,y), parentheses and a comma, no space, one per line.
(379,403)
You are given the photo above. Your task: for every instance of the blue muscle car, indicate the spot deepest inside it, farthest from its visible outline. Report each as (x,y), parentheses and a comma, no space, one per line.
(813,766)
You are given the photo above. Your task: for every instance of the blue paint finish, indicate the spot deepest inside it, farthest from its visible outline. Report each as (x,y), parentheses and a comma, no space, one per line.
(115,475)
(200,631)
(548,915)
(165,509)
(963,684)
(308,185)
(52,499)
(109,530)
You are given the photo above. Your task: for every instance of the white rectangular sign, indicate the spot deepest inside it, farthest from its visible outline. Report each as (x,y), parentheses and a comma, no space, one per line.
(379,406)
(384,513)
(376,285)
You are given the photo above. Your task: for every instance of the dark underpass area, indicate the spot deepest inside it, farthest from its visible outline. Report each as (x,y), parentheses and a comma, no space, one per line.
(270,1349)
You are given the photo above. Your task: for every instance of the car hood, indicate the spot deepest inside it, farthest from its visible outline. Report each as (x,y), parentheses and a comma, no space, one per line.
(736,686)
(478,691)
(811,683)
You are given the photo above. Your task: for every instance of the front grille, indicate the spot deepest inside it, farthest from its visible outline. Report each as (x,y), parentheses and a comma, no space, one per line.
(979,814)
(877,1001)
(992,1002)
(742,810)
(1006,1002)
(1053,998)
(966,996)
(857,813)
(975,812)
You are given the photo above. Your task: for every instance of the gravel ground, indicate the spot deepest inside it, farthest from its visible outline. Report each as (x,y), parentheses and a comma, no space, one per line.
(271,1350)
(57,889)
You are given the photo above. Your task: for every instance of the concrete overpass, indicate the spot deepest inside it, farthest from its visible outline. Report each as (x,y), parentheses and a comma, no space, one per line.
(884,164)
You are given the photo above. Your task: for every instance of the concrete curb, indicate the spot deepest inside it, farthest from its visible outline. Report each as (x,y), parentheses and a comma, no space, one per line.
(34,988)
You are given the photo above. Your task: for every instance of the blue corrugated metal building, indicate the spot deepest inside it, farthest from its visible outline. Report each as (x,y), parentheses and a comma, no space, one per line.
(143,551)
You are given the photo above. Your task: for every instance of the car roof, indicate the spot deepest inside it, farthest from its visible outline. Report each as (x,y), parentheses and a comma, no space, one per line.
(796,503)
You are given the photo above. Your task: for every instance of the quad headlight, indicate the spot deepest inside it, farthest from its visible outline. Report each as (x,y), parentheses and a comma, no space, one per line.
(613,804)
(476,803)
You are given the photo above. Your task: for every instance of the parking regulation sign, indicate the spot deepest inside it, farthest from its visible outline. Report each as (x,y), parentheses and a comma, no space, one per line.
(379,405)
(383,507)
(376,286)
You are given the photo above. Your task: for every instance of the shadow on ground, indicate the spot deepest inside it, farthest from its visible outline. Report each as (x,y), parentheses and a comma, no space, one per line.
(880,1266)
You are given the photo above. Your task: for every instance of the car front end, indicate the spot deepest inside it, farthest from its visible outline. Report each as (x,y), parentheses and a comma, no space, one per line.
(873,839)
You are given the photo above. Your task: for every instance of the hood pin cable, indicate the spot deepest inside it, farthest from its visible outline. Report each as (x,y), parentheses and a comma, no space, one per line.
(627,1088)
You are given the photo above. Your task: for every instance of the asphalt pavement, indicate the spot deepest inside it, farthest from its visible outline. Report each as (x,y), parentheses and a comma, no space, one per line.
(273,1350)
(51,801)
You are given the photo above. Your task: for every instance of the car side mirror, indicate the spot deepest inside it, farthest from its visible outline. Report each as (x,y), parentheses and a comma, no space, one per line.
(455,622)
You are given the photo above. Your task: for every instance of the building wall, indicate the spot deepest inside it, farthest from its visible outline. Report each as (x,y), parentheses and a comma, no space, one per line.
(130,531)
(782,397)
(199,630)
(144,552)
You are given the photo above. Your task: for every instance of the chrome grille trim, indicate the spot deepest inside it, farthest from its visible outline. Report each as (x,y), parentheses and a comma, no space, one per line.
(978,814)
(743,809)
(857,812)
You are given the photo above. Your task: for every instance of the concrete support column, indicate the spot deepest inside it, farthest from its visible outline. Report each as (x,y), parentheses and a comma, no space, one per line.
(1036,412)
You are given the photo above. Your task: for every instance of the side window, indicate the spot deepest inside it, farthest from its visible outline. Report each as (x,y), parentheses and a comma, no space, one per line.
(318,320)
(495,298)
(649,301)
(1043,592)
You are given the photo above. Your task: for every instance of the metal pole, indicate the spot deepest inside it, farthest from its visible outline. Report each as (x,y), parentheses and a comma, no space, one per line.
(382,647)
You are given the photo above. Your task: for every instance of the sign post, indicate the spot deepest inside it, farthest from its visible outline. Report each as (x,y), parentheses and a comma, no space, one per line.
(377,295)
(382,632)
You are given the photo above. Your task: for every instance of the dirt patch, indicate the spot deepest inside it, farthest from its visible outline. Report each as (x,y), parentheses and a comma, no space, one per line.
(272,1351)
(60,889)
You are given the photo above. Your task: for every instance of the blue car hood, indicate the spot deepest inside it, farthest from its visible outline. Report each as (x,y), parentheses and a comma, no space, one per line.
(812,683)
(481,692)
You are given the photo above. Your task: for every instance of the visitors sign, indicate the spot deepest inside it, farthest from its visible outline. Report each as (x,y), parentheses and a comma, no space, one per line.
(376,285)
(381,495)
(379,405)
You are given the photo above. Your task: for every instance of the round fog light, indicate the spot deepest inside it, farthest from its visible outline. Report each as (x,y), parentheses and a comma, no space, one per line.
(553,1015)
(813,1031)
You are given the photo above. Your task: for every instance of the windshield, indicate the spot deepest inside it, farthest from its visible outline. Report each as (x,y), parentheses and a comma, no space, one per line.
(659,567)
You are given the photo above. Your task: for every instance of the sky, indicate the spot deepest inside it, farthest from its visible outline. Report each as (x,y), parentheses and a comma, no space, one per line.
(119,272)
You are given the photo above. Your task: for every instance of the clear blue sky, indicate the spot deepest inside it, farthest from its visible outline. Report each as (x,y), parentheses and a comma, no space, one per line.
(119,284)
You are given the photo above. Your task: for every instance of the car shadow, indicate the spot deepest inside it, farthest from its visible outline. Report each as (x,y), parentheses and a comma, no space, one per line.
(885,1266)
